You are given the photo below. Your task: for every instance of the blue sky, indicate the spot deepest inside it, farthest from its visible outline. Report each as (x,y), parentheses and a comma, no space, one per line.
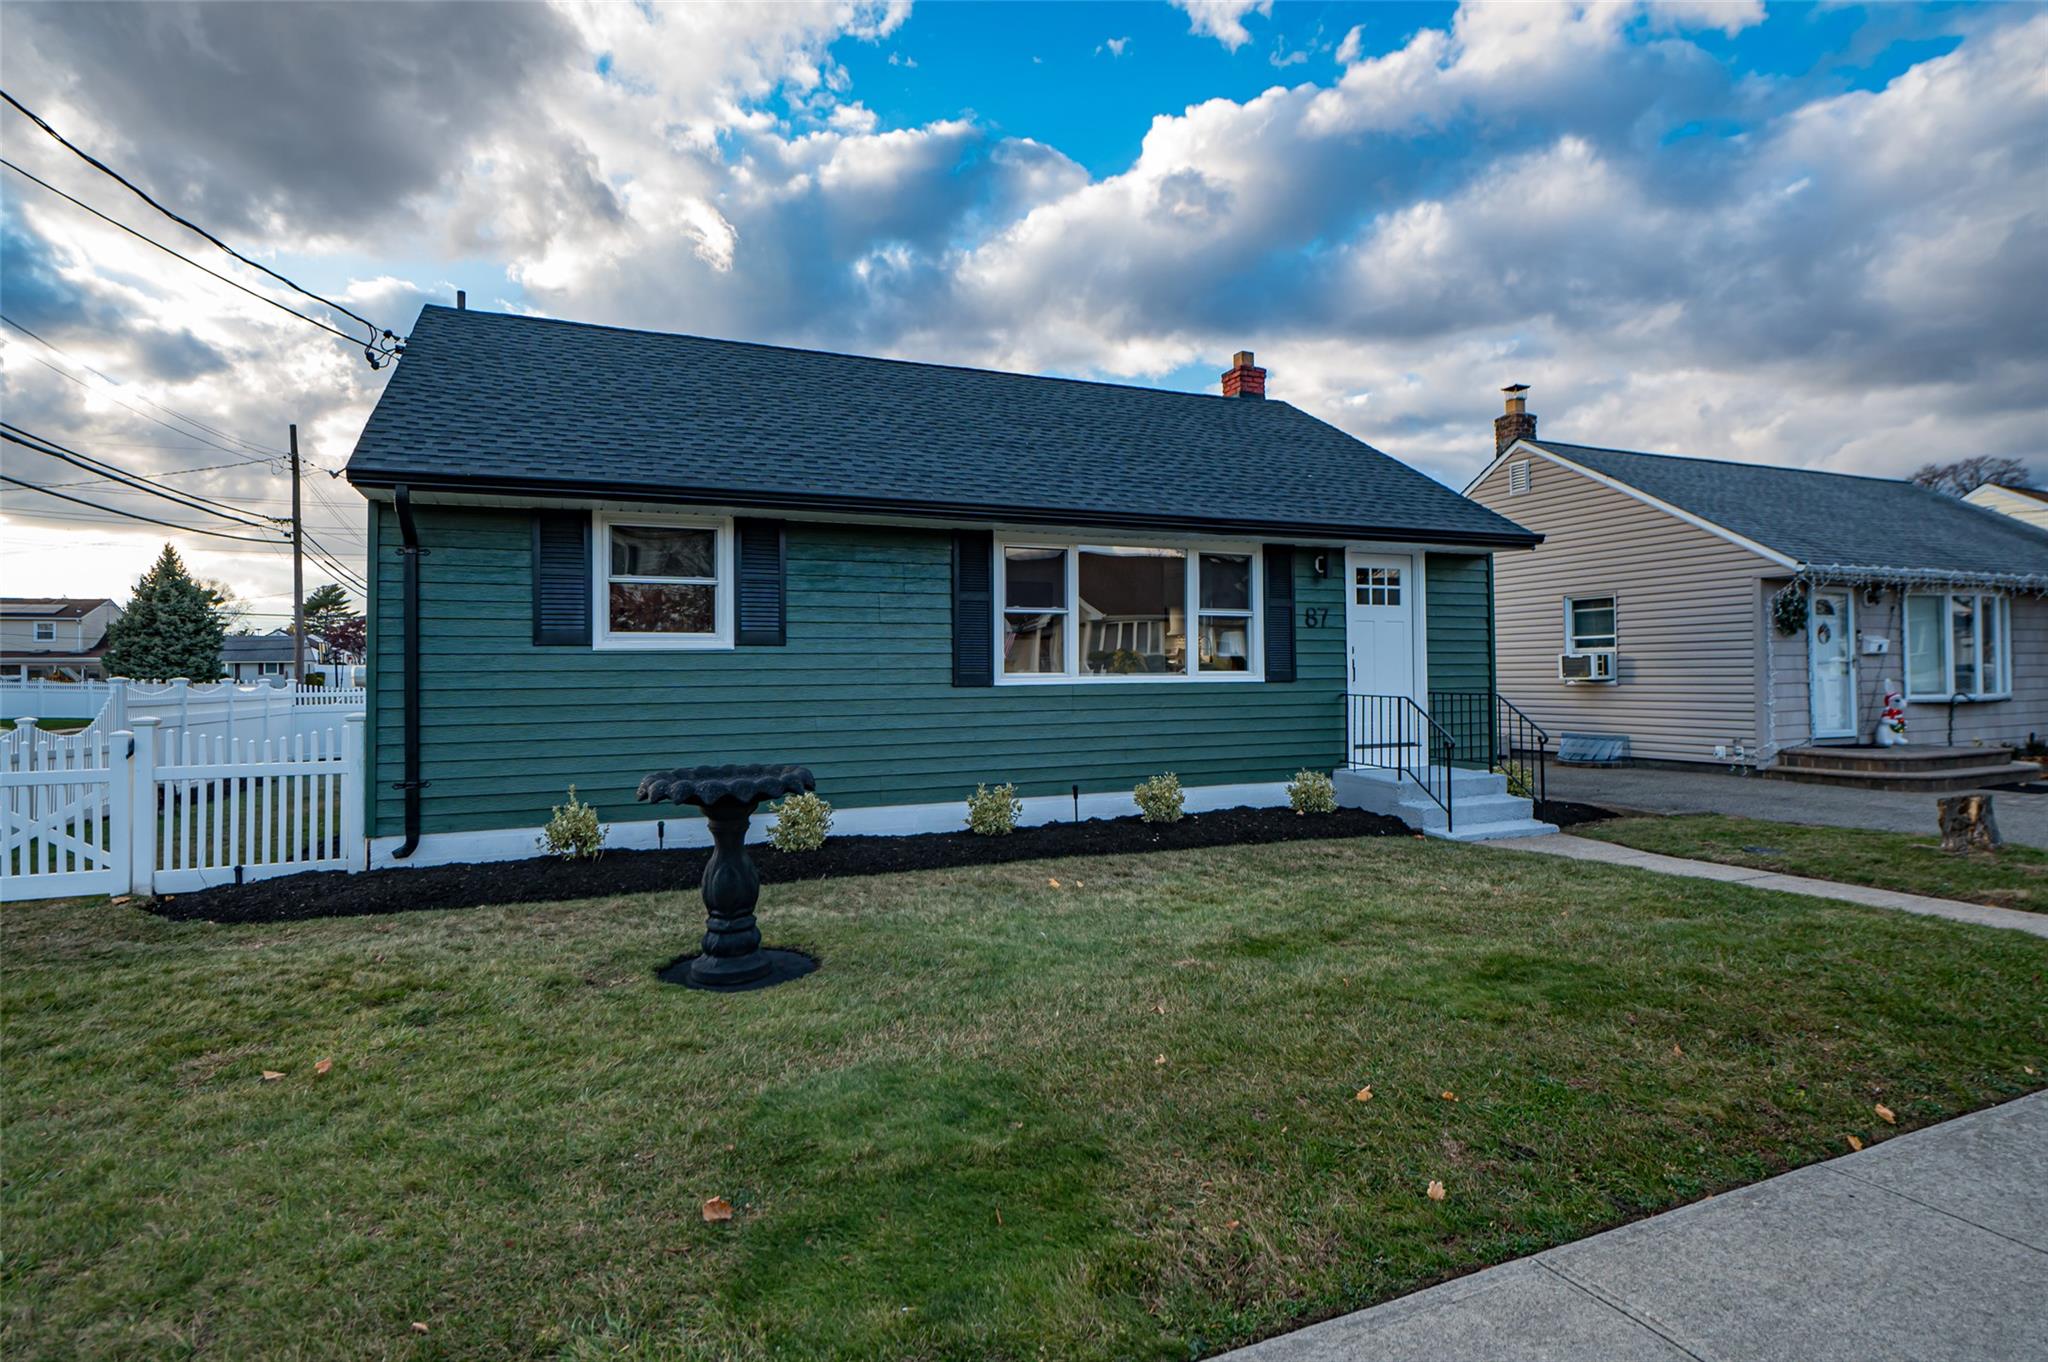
(1800,234)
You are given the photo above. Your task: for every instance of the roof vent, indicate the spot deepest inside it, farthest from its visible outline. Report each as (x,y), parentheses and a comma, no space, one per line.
(1244,378)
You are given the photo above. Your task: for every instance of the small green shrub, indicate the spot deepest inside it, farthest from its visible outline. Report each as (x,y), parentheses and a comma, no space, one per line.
(573,833)
(994,813)
(1312,792)
(801,822)
(1160,799)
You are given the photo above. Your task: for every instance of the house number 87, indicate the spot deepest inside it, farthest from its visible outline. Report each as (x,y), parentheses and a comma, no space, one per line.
(1315,616)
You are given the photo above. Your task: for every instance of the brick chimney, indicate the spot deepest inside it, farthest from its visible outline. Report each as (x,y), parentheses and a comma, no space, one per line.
(1517,423)
(1244,378)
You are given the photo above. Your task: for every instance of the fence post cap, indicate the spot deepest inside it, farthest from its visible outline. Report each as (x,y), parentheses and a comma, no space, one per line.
(28,722)
(145,721)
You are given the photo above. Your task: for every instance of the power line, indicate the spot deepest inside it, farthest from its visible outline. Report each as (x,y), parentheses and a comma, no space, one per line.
(106,377)
(372,351)
(139,236)
(134,515)
(190,501)
(166,473)
(270,457)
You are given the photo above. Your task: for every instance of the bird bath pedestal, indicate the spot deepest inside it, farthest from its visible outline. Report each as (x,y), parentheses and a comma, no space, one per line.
(732,957)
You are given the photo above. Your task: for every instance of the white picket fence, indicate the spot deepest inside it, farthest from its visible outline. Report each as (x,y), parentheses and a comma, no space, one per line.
(138,811)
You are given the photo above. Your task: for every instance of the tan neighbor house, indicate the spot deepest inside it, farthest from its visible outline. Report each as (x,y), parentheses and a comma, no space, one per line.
(2022,503)
(52,638)
(1727,613)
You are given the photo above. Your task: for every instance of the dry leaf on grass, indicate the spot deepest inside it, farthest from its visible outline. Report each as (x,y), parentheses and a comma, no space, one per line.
(1052,884)
(1675,1049)
(1885,1114)
(323,1066)
(1436,1191)
(1159,1060)
(1365,1093)
(717,1208)
(1855,1143)
(1450,1096)
(271,1075)
(418,1327)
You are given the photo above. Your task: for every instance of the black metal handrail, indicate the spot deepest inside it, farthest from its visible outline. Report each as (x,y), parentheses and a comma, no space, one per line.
(1496,735)
(1393,733)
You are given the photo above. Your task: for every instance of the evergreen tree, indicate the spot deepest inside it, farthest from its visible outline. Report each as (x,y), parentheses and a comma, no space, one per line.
(326,607)
(170,628)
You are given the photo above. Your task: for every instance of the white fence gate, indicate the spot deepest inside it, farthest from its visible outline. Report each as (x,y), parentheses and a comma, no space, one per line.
(107,812)
(65,806)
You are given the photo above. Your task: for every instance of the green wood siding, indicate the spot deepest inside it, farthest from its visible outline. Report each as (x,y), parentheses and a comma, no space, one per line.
(862,693)
(1460,615)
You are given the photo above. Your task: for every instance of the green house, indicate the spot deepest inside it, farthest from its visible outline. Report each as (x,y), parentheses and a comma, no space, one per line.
(597,552)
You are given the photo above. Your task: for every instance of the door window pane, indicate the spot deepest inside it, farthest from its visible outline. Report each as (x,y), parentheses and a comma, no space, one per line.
(1133,606)
(1377,586)
(1963,642)
(1926,651)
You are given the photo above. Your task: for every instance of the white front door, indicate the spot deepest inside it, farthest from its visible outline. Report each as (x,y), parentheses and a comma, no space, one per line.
(1831,657)
(1379,631)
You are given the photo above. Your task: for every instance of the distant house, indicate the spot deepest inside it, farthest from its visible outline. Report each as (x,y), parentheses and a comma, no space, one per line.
(598,552)
(45,638)
(258,657)
(2021,503)
(1710,611)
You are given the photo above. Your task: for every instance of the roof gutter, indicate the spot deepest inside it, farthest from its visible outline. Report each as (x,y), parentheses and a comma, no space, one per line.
(956,511)
(410,553)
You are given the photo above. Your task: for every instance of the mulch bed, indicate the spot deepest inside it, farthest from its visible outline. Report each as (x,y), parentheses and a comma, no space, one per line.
(294,898)
(1565,814)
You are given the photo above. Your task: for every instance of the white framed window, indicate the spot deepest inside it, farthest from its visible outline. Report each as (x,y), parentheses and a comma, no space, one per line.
(1958,643)
(46,631)
(662,582)
(1122,612)
(270,669)
(1590,624)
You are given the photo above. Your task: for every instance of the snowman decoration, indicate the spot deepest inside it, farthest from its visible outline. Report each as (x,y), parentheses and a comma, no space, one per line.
(1891,724)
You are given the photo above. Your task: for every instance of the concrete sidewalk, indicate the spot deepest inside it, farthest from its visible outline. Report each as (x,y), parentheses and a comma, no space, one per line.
(1608,853)
(1931,1247)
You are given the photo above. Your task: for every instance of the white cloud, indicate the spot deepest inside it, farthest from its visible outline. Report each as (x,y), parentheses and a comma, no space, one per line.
(1223,20)
(1114,46)
(1849,282)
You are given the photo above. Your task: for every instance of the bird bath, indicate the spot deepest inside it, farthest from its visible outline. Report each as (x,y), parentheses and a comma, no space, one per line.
(732,957)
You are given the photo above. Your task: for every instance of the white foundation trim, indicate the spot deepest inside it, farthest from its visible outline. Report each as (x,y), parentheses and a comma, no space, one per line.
(887,820)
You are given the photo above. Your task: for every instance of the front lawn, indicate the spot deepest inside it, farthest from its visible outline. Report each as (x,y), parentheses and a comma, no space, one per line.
(1113,1116)
(2011,877)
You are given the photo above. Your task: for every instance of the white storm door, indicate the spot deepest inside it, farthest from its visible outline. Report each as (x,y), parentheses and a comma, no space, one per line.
(1831,656)
(1379,632)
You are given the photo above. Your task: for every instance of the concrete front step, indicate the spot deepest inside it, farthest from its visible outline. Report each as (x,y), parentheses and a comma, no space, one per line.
(1886,760)
(1481,807)
(1940,780)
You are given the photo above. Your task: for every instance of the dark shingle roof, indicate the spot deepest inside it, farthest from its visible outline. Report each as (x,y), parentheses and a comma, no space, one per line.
(1829,519)
(256,648)
(522,404)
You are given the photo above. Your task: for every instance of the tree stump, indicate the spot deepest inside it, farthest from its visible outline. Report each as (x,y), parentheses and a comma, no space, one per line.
(1967,823)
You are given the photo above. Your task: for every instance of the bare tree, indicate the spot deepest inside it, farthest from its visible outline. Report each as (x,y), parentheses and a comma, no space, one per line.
(1965,476)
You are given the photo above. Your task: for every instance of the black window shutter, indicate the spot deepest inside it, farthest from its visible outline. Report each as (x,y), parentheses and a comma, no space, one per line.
(763,584)
(561,578)
(974,600)
(1279,612)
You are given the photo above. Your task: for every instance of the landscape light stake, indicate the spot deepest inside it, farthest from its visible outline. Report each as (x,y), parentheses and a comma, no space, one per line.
(732,957)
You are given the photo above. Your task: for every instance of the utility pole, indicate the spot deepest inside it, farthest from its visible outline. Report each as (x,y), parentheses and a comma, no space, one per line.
(298,572)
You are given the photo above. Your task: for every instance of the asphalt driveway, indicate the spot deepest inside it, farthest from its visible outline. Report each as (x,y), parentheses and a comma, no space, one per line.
(2022,818)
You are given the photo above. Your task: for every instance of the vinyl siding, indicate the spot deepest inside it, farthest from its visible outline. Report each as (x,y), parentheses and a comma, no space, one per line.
(1687,606)
(1459,590)
(862,693)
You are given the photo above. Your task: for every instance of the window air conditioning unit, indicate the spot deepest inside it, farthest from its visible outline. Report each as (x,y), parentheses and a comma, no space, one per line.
(1597,667)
